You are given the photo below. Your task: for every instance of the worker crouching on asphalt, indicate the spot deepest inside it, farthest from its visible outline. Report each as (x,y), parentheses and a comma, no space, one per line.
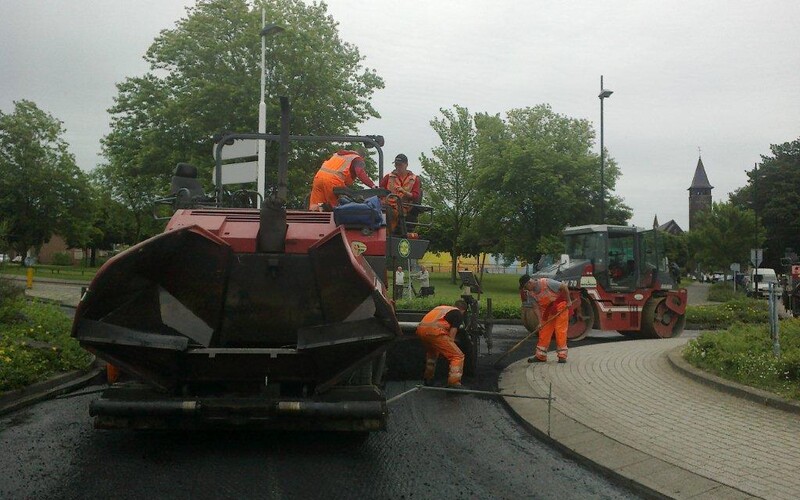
(437,331)
(339,170)
(548,299)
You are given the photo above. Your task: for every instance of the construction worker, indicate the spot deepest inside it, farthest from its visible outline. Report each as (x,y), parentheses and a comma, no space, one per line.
(404,184)
(551,305)
(339,170)
(437,331)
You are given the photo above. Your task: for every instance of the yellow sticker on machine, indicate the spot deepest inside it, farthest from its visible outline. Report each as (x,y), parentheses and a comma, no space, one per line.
(358,247)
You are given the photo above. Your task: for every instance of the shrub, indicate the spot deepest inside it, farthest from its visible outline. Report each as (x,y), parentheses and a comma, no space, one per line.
(62,259)
(718,316)
(723,292)
(35,343)
(743,353)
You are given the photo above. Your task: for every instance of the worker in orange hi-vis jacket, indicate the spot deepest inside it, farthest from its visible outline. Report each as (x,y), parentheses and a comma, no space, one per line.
(551,299)
(341,169)
(437,331)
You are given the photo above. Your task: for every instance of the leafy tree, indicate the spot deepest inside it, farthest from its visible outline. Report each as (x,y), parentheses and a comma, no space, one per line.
(449,183)
(205,78)
(773,191)
(112,224)
(723,235)
(676,249)
(42,190)
(537,175)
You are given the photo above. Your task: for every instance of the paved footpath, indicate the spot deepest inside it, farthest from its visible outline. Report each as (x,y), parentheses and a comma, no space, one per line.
(67,293)
(624,408)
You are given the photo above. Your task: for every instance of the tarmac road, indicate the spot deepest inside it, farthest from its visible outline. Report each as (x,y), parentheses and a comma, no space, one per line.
(437,446)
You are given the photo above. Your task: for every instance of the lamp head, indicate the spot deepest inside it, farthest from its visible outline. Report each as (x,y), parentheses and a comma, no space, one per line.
(605,93)
(270,29)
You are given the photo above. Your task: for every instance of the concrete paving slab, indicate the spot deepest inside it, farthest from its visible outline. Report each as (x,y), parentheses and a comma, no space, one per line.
(624,409)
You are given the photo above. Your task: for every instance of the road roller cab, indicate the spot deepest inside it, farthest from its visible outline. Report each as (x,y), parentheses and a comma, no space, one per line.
(619,280)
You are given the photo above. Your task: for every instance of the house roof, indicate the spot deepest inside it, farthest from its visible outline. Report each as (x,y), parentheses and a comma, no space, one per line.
(671,227)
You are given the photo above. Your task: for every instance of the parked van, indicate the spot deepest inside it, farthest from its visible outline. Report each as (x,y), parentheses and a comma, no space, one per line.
(765,276)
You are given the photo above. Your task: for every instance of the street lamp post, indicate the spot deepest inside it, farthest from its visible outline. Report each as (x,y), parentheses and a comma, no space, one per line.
(266,30)
(604,93)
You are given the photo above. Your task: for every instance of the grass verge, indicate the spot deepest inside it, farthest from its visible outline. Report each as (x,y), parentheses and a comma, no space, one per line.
(69,273)
(721,316)
(743,353)
(35,341)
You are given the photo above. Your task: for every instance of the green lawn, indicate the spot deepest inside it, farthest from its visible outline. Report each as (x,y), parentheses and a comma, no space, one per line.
(503,289)
(71,273)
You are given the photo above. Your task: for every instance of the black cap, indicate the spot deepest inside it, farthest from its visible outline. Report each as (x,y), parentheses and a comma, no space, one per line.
(401,158)
(523,279)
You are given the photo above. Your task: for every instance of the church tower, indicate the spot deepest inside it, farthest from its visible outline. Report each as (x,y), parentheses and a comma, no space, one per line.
(699,193)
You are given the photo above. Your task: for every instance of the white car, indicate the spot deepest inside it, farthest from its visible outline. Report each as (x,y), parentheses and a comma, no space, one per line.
(765,277)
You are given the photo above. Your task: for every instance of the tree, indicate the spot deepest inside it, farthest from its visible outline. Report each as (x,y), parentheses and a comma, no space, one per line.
(112,223)
(42,190)
(676,249)
(205,78)
(537,175)
(773,191)
(723,235)
(449,183)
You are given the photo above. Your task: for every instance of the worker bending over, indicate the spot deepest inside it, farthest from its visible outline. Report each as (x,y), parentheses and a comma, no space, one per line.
(549,300)
(437,331)
(339,170)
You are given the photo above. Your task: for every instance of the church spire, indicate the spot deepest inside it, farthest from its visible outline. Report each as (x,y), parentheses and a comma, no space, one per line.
(700,180)
(699,193)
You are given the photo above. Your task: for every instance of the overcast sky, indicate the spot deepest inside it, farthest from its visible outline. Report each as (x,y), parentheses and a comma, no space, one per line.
(723,76)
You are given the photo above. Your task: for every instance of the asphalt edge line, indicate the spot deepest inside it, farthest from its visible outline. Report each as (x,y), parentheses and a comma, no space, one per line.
(675,357)
(48,389)
(611,474)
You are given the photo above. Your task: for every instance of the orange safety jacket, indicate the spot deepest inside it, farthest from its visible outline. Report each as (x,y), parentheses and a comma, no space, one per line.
(338,166)
(548,299)
(434,323)
(394,182)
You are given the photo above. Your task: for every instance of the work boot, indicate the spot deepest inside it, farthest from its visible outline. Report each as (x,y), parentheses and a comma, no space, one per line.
(536,360)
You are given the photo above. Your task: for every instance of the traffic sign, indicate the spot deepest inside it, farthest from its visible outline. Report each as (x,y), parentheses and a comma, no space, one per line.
(756,256)
(237,173)
(241,148)
(735,267)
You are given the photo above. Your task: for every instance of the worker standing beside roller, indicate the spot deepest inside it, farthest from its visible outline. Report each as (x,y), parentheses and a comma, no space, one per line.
(437,331)
(551,300)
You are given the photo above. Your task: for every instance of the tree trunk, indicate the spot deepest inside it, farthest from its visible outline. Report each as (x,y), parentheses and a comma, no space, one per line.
(93,257)
(453,265)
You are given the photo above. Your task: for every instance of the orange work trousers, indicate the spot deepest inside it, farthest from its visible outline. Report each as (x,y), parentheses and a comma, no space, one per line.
(322,191)
(559,327)
(443,345)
